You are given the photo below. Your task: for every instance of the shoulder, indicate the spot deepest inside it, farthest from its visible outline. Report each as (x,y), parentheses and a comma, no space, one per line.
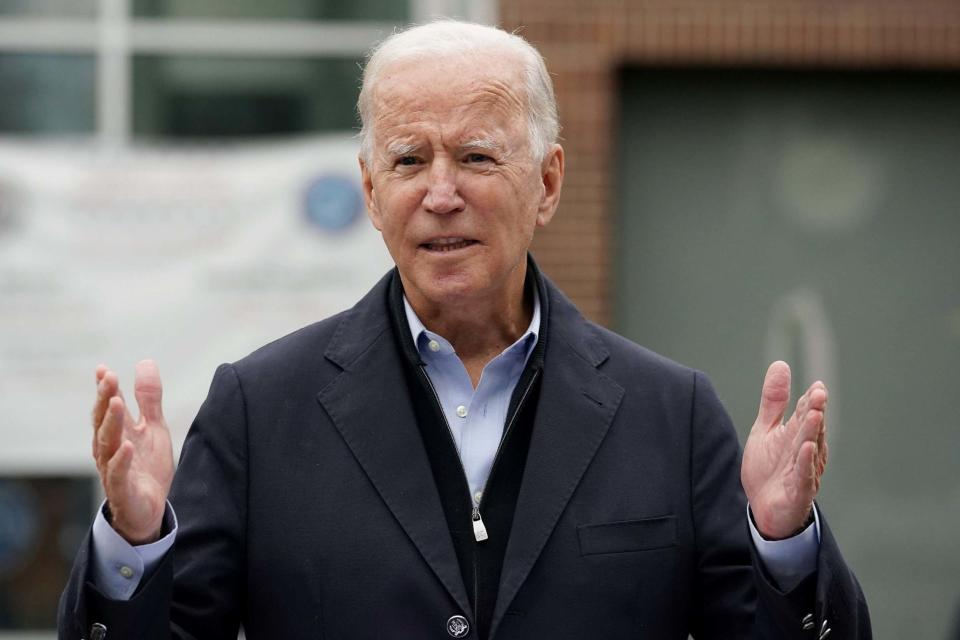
(624,361)
(631,363)
(306,343)
(319,348)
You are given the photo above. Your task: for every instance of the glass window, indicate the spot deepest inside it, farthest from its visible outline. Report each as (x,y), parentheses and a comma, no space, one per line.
(47,93)
(42,523)
(182,97)
(58,8)
(372,10)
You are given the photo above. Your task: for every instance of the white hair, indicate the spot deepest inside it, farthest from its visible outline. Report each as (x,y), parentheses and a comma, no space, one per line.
(444,38)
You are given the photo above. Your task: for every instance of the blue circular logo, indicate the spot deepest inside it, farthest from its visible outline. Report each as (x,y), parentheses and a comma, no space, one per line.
(333,202)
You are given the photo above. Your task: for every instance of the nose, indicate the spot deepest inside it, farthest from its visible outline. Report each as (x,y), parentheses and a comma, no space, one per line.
(442,195)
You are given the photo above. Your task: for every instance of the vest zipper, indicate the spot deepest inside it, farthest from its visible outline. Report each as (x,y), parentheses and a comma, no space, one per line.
(474,510)
(506,432)
(479,529)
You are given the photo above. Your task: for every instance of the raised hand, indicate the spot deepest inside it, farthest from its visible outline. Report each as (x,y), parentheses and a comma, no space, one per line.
(784,461)
(134,457)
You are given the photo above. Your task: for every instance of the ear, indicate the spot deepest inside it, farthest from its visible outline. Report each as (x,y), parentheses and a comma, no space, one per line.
(551,171)
(366,179)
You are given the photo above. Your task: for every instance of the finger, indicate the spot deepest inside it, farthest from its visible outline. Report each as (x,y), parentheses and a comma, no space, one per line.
(810,425)
(100,371)
(775,394)
(822,448)
(110,433)
(806,471)
(118,473)
(817,396)
(822,456)
(148,391)
(106,388)
(798,413)
(807,432)
(815,399)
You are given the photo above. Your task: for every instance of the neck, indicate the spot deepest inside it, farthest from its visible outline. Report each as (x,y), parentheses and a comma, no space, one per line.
(479,328)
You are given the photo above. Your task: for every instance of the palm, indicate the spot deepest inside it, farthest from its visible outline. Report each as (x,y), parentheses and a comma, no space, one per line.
(783,461)
(134,457)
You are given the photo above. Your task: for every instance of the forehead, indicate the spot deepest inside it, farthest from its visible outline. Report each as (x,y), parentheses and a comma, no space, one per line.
(450,93)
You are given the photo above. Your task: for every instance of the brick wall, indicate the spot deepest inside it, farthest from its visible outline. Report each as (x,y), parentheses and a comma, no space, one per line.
(586,41)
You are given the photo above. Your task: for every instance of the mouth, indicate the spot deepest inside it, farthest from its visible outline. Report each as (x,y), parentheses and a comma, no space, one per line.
(447,245)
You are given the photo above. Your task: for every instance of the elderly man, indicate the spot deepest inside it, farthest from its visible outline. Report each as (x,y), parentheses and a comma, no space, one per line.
(461,454)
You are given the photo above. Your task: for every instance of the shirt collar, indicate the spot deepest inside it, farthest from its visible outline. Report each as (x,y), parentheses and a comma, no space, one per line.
(422,336)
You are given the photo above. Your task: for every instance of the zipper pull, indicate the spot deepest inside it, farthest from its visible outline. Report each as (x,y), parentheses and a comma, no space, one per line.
(479,531)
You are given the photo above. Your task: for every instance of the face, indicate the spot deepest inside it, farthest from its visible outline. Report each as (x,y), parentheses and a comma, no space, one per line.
(452,183)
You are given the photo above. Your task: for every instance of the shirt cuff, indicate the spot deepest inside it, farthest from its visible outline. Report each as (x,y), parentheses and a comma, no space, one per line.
(118,567)
(791,560)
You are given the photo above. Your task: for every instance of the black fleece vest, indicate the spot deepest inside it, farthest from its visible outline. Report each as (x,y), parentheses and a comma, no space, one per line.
(480,562)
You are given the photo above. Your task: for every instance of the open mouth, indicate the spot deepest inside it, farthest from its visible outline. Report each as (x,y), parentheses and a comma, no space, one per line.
(445,245)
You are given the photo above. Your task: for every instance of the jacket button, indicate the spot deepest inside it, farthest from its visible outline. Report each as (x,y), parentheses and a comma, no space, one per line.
(458,627)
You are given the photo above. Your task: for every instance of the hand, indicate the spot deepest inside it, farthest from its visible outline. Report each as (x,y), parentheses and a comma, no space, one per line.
(783,462)
(134,458)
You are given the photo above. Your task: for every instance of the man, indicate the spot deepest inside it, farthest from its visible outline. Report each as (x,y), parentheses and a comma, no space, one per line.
(461,454)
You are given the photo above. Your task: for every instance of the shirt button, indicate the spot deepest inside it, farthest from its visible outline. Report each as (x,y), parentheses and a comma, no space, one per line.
(478,496)
(462,411)
(126,572)
(434,345)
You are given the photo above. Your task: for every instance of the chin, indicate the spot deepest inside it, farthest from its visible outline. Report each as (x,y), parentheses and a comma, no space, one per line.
(452,290)
(453,287)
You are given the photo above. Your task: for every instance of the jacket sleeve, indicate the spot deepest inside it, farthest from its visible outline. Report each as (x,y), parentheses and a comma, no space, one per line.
(735,596)
(196,591)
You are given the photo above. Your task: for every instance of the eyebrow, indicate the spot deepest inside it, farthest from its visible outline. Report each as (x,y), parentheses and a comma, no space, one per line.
(399,149)
(483,143)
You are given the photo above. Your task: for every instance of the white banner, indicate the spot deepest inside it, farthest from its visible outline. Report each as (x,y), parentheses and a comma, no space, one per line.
(191,256)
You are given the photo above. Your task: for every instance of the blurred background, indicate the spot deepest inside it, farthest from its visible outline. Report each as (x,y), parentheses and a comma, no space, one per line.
(746,181)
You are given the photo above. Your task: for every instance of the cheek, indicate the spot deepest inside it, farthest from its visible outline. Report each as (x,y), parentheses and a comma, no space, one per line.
(396,205)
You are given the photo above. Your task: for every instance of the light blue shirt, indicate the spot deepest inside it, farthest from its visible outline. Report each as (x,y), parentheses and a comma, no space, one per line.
(476,418)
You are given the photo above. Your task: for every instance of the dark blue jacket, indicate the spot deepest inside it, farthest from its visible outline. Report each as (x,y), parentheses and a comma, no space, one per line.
(307,507)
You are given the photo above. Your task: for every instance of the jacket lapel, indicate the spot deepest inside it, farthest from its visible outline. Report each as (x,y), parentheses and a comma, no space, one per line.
(576,406)
(370,406)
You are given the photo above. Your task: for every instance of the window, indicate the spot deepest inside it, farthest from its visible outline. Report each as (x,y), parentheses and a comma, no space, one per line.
(60,8)
(191,97)
(54,93)
(123,69)
(381,10)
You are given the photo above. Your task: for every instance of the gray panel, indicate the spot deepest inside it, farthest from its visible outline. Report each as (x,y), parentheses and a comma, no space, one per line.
(813,217)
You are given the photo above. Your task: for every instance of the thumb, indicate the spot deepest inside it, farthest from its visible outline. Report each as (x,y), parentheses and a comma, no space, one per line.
(775,395)
(148,391)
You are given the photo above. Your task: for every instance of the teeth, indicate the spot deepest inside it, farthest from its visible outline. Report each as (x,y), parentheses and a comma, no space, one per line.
(448,244)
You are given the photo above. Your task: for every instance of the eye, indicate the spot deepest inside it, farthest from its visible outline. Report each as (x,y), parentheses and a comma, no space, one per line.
(406,161)
(474,158)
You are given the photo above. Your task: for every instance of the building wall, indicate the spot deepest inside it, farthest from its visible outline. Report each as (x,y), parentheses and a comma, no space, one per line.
(585,43)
